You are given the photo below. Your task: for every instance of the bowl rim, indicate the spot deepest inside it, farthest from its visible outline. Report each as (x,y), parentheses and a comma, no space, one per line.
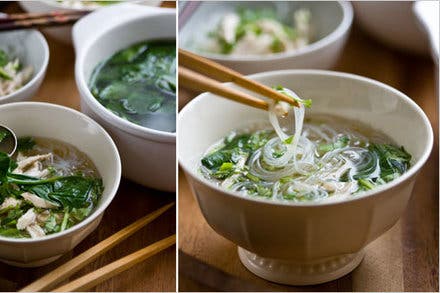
(39,74)
(361,196)
(103,112)
(343,27)
(103,205)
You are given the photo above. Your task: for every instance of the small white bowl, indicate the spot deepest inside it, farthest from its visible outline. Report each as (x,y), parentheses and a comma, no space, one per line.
(67,125)
(148,155)
(31,48)
(331,22)
(305,243)
(62,34)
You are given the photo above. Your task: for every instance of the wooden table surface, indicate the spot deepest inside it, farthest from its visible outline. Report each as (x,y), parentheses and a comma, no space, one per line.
(404,259)
(131,203)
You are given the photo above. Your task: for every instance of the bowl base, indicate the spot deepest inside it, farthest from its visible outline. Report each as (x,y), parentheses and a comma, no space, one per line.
(292,272)
(37,263)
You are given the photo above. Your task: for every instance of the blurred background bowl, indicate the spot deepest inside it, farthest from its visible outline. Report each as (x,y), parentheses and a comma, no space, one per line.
(73,127)
(31,48)
(330,21)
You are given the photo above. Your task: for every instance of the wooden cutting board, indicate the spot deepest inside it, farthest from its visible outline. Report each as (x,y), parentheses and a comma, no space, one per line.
(404,259)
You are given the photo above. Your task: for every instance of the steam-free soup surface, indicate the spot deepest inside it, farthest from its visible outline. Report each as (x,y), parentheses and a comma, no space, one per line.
(139,84)
(47,187)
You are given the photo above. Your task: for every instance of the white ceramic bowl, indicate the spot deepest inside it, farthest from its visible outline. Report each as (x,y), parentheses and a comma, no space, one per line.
(30,47)
(331,21)
(148,155)
(68,125)
(305,243)
(62,34)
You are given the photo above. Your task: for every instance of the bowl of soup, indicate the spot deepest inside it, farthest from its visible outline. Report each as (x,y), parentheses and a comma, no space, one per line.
(126,76)
(255,36)
(24,56)
(302,195)
(58,183)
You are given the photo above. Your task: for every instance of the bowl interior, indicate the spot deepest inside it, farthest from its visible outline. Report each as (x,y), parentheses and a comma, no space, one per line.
(67,125)
(160,27)
(26,45)
(121,37)
(209,118)
(326,17)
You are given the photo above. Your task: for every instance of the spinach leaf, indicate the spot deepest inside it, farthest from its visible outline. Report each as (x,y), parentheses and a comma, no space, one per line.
(13,233)
(5,162)
(393,161)
(215,160)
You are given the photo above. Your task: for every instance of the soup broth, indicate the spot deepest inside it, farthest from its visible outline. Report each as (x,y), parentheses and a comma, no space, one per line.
(139,84)
(335,158)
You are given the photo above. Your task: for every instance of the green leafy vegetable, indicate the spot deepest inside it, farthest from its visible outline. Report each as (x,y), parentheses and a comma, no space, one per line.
(25,143)
(139,84)
(338,144)
(307,103)
(4,58)
(393,161)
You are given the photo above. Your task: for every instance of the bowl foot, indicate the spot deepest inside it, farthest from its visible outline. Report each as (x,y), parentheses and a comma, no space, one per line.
(292,272)
(37,263)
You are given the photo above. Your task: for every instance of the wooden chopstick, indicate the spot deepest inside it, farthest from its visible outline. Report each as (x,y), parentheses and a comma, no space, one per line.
(197,81)
(224,74)
(26,21)
(90,280)
(32,15)
(53,278)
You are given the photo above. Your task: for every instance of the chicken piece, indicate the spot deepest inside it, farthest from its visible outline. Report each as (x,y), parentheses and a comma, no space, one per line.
(26,162)
(251,44)
(10,202)
(35,231)
(282,109)
(43,216)
(37,171)
(27,219)
(38,201)
(228,27)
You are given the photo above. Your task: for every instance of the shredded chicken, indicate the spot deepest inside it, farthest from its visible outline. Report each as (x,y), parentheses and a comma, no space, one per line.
(35,231)
(32,166)
(43,216)
(27,219)
(228,27)
(38,201)
(10,202)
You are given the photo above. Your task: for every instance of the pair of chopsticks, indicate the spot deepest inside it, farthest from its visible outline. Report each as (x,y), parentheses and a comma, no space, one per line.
(37,20)
(84,283)
(189,63)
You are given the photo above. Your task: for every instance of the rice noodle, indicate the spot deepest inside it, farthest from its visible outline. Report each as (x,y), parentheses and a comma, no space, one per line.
(323,160)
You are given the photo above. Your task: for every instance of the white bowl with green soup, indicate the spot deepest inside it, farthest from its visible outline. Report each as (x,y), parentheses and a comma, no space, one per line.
(302,191)
(55,187)
(126,75)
